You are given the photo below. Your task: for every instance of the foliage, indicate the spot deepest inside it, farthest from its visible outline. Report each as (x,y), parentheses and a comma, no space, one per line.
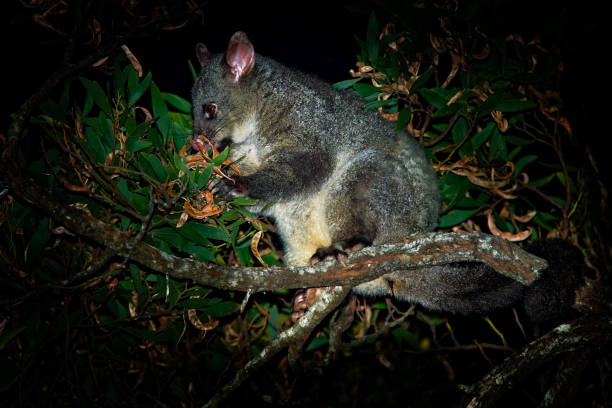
(131,168)
(488,111)
(80,323)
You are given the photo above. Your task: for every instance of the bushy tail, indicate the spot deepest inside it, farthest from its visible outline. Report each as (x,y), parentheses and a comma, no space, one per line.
(550,298)
(475,288)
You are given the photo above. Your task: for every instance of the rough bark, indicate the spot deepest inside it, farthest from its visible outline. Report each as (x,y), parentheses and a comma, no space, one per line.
(363,266)
(585,335)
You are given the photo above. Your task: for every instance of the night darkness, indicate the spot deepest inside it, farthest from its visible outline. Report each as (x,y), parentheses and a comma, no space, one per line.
(319,37)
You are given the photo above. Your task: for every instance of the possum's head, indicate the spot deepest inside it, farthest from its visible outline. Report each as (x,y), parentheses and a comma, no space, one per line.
(217,95)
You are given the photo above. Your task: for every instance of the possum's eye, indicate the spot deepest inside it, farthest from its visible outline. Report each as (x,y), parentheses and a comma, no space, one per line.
(210,110)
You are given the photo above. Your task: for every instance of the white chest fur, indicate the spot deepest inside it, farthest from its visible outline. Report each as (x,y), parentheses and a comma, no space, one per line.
(245,144)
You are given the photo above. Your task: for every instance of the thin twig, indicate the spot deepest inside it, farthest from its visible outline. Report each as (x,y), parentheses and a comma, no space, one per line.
(329,299)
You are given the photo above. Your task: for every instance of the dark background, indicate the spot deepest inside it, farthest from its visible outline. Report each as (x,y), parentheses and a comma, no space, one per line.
(318,37)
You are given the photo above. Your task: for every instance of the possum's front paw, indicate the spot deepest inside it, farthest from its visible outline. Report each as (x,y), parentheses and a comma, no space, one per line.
(303,299)
(229,189)
(340,250)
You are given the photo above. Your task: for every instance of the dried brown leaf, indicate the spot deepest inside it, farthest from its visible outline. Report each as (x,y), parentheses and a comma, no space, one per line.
(182,219)
(519,236)
(133,60)
(195,320)
(254,250)
(209,209)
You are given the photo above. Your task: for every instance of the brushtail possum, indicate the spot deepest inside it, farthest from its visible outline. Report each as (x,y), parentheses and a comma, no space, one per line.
(338,176)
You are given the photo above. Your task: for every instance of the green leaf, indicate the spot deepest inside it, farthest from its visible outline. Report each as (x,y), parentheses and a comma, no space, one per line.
(484,108)
(514,105)
(366,90)
(199,252)
(372,37)
(170,236)
(522,162)
(179,103)
(132,78)
(518,141)
(120,77)
(197,291)
(542,181)
(561,178)
(160,110)
(244,212)
(221,157)
(133,135)
(244,201)
(273,321)
(138,284)
(87,105)
(438,97)
(198,303)
(498,146)
(118,309)
(455,217)
(93,145)
(221,309)
(243,252)
(155,138)
(123,189)
(405,337)
(201,233)
(346,84)
(403,118)
(136,91)
(104,127)
(271,260)
(377,104)
(141,199)
(421,80)
(453,188)
(180,137)
(159,170)
(231,215)
(194,74)
(482,136)
(316,343)
(97,94)
(200,178)
(541,219)
(459,132)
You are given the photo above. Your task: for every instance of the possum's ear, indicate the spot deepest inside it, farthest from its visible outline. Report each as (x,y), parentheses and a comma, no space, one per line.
(204,56)
(240,55)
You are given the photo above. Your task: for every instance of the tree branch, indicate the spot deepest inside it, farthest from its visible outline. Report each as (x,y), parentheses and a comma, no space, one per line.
(589,332)
(363,266)
(329,299)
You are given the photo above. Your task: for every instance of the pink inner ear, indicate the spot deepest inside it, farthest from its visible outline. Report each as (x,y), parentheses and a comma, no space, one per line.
(240,55)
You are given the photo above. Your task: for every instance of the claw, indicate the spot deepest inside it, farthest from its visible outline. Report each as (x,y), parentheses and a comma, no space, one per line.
(302,300)
(340,250)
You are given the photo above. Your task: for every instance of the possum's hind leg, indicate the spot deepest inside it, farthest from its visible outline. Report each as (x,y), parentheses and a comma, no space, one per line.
(340,250)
